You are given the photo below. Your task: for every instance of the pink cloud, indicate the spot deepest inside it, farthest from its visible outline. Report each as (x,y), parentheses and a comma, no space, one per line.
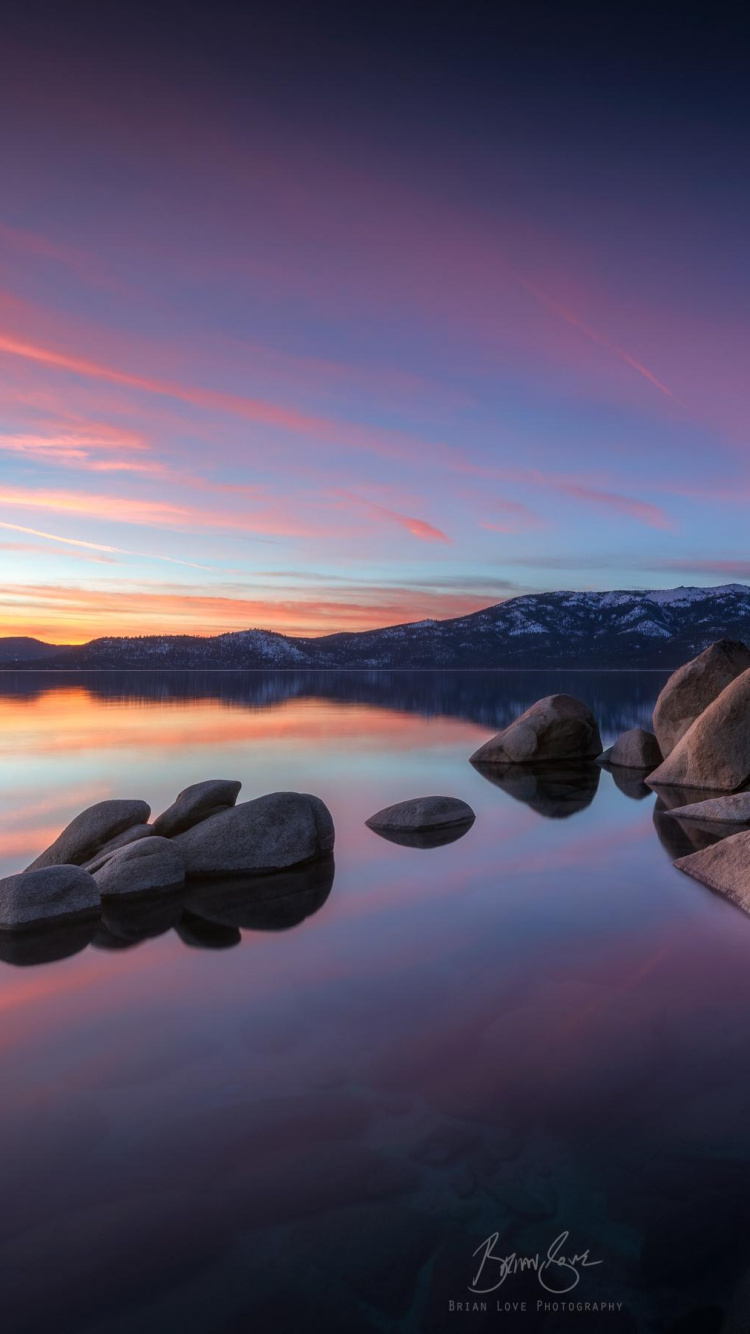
(426,532)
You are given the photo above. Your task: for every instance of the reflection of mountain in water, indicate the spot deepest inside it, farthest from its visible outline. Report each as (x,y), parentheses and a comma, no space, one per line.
(619,700)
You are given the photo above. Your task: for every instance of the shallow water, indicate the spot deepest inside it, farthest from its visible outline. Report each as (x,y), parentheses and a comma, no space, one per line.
(312,1122)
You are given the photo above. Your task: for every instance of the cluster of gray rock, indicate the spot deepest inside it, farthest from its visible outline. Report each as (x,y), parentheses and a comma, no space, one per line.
(701,740)
(110,851)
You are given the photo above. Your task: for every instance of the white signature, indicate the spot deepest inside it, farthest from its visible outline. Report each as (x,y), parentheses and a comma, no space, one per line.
(556,1272)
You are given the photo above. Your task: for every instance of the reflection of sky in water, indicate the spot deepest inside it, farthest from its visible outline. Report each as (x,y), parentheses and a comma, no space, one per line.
(548,999)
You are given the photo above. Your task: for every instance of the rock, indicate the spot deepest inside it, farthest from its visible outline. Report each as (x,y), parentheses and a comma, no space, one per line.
(693,687)
(734,809)
(53,893)
(558,727)
(130,835)
(272,833)
(725,867)
(635,749)
(423,813)
(149,865)
(196,803)
(552,790)
(89,831)
(715,750)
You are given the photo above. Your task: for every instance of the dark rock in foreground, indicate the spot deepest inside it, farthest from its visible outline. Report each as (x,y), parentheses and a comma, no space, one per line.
(51,894)
(724,867)
(694,686)
(196,803)
(715,750)
(636,749)
(89,831)
(143,867)
(423,815)
(558,727)
(272,833)
(552,790)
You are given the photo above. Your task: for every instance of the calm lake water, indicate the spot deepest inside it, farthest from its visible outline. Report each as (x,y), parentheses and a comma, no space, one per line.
(306,1113)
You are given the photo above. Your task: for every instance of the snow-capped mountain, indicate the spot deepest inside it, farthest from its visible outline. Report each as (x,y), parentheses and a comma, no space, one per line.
(639,628)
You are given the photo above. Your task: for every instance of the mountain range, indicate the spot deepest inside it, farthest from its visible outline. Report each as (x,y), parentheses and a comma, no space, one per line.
(627,629)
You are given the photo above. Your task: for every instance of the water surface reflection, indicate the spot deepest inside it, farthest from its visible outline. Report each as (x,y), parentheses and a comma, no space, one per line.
(303,1110)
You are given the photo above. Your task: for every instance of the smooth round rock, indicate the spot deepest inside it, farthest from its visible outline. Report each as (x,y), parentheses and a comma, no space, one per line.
(421,814)
(51,894)
(145,867)
(272,833)
(196,803)
(89,831)
(557,727)
(693,687)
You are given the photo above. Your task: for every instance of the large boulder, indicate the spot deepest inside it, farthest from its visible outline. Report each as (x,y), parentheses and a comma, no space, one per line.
(196,803)
(693,687)
(635,749)
(144,867)
(715,750)
(272,833)
(558,727)
(89,831)
(52,894)
(724,866)
(734,809)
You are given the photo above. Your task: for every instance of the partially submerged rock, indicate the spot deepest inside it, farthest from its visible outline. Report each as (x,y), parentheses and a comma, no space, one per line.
(147,866)
(89,831)
(724,867)
(693,687)
(272,833)
(196,803)
(441,819)
(636,749)
(715,750)
(734,809)
(51,894)
(558,727)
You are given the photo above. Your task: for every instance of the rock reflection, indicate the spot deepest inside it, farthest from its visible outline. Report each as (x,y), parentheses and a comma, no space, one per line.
(631,782)
(133,918)
(424,838)
(45,944)
(262,903)
(200,934)
(677,838)
(555,791)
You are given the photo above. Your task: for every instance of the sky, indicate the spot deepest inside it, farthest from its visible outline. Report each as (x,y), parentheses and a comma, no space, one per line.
(324,317)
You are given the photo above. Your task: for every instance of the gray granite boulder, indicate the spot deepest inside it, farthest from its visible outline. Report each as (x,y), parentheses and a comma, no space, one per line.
(724,867)
(715,750)
(144,867)
(636,749)
(196,803)
(130,835)
(693,687)
(734,809)
(422,813)
(89,831)
(272,833)
(51,894)
(558,727)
